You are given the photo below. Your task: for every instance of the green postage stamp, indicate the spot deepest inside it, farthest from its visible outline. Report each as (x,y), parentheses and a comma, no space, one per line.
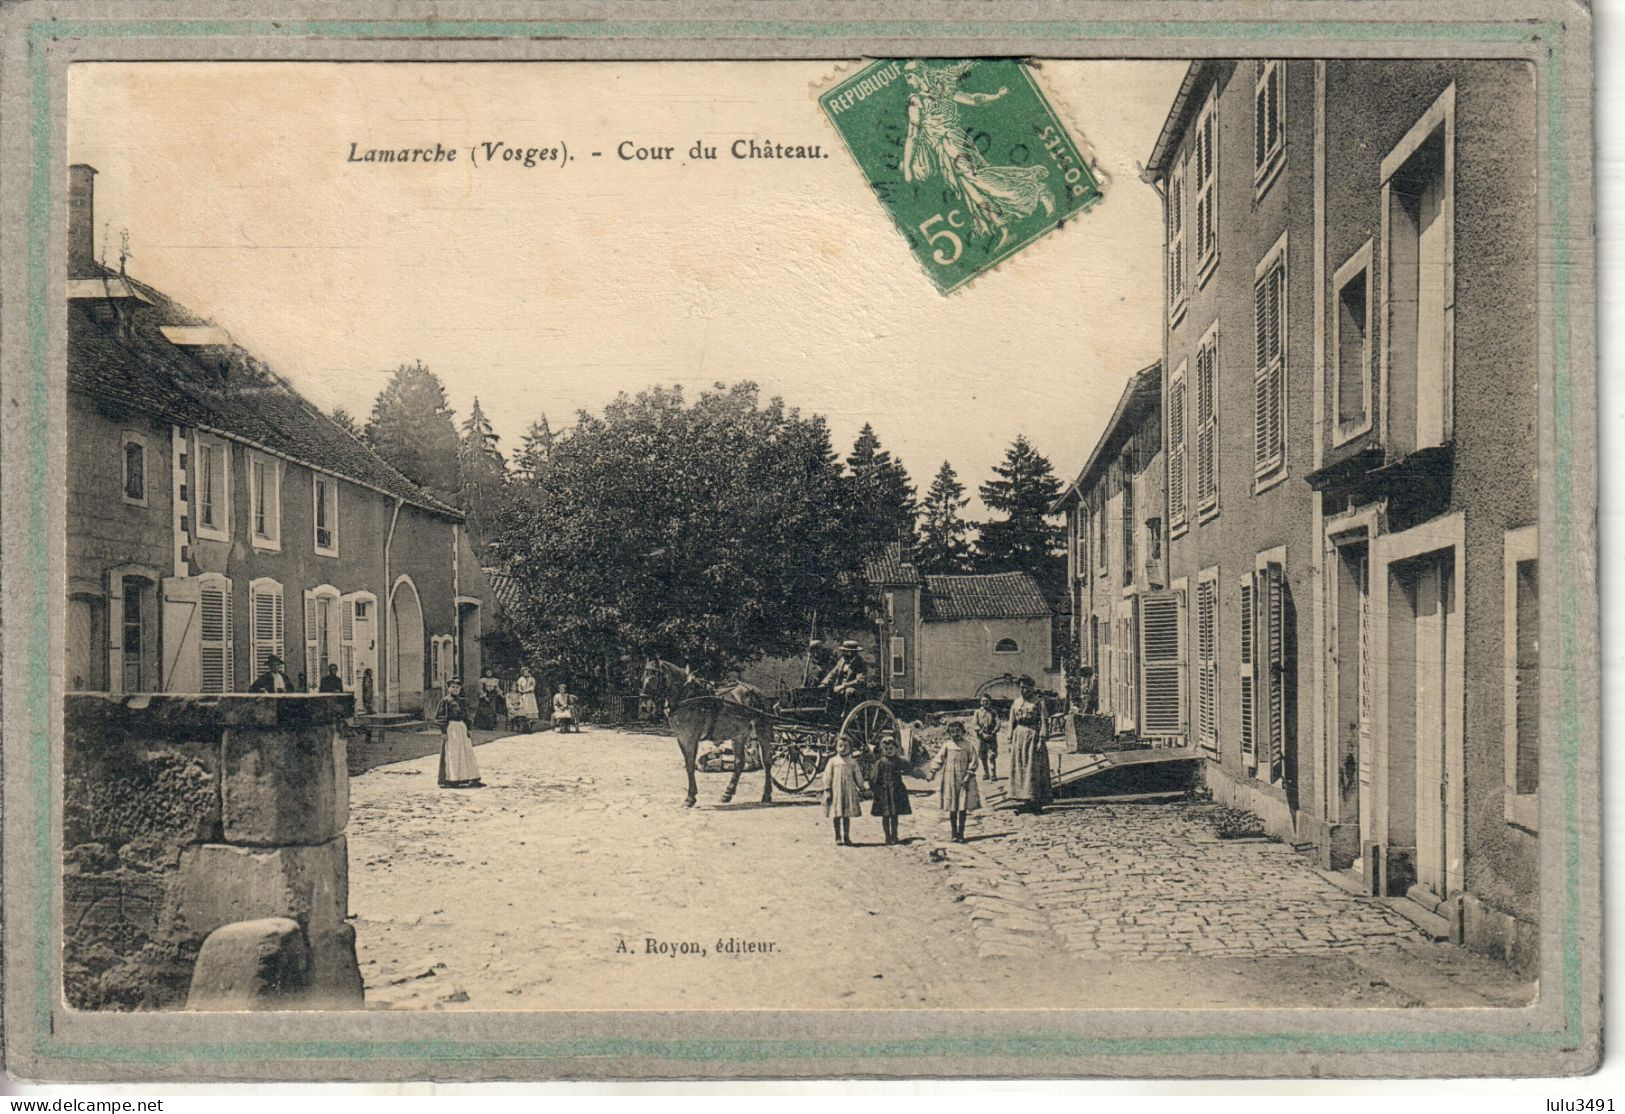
(967,156)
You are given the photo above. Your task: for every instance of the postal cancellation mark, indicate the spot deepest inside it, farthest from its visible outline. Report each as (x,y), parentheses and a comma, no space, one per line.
(967,156)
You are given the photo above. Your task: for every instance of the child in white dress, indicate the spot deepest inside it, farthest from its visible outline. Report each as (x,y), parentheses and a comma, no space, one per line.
(843,791)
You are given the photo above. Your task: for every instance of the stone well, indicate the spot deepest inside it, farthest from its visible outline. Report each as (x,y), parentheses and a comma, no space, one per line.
(184,814)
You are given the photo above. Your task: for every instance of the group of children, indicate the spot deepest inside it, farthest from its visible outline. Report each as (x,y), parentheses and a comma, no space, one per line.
(953,770)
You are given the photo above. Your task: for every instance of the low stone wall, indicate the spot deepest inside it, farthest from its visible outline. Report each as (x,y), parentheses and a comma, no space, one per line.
(185,814)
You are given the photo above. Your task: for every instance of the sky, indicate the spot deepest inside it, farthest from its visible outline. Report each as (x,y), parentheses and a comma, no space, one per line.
(553,288)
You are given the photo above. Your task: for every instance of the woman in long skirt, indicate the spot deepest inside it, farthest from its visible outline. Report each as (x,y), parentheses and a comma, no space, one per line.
(458,770)
(525,686)
(1029,758)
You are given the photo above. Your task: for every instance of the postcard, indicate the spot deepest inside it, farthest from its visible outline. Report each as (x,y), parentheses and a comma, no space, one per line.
(595,543)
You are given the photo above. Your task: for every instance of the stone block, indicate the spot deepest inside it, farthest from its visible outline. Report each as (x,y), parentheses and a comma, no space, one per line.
(251,965)
(221,883)
(281,785)
(335,973)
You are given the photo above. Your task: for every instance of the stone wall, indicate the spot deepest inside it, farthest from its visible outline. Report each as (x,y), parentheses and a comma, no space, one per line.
(185,814)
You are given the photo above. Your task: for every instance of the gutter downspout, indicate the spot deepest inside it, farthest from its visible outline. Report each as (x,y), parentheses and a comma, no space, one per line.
(387,610)
(456,601)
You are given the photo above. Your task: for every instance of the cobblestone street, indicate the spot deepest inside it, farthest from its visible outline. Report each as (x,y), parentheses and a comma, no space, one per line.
(543,889)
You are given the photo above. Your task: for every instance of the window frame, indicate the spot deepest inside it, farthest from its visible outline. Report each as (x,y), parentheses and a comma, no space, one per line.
(221,530)
(319,480)
(1175,242)
(1207,509)
(899,656)
(271,542)
(1178,402)
(226,644)
(1519,546)
(1440,116)
(1015,647)
(1271,471)
(1356,264)
(1127,511)
(1205,152)
(277,640)
(1268,161)
(128,438)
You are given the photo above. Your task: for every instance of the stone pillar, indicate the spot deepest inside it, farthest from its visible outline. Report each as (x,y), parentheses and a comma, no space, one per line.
(187,814)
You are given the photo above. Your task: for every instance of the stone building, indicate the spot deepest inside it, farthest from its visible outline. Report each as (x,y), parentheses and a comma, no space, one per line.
(1350,379)
(215,517)
(955,637)
(1126,619)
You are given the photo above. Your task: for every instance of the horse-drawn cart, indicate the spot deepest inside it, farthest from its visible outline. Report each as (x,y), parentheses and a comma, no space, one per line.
(806,726)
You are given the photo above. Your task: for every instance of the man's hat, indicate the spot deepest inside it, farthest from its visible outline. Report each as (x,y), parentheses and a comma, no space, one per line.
(850,647)
(272,659)
(1026,682)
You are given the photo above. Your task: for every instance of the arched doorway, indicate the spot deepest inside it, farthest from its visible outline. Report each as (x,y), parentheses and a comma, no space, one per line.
(405,647)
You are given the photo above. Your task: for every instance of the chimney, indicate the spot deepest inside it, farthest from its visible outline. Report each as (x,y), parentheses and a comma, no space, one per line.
(81,220)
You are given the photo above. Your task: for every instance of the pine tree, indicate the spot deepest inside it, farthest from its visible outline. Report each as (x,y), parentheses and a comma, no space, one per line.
(482,473)
(411,427)
(1027,538)
(943,545)
(883,506)
(536,451)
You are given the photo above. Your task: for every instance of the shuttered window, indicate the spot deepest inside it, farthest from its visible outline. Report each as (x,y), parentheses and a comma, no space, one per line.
(1272,623)
(1269,372)
(1244,688)
(899,657)
(265,614)
(1176,451)
(1207,424)
(1204,163)
(1207,666)
(1162,664)
(215,641)
(1127,466)
(1176,242)
(1269,132)
(347,643)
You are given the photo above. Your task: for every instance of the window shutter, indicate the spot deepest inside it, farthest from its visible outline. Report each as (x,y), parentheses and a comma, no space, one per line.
(1275,284)
(311,657)
(1207,681)
(214,647)
(1176,455)
(1249,746)
(1162,664)
(267,624)
(1268,369)
(347,643)
(1261,111)
(1207,429)
(1273,606)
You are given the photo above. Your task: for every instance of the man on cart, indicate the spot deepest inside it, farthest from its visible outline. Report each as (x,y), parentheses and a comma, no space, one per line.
(848,679)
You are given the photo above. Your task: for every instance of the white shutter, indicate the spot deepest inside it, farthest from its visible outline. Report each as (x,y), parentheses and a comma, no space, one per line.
(1207,673)
(1272,608)
(265,604)
(1207,424)
(1268,370)
(214,652)
(1245,693)
(347,643)
(312,658)
(1176,454)
(1162,664)
(179,634)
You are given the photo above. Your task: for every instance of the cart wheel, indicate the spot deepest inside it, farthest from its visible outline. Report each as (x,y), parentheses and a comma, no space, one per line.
(868,726)
(793,769)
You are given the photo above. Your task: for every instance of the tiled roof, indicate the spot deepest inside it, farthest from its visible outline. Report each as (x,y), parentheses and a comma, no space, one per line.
(504,589)
(1003,595)
(219,388)
(891,568)
(1142,392)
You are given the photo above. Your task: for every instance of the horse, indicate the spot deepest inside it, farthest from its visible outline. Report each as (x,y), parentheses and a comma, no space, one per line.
(696,710)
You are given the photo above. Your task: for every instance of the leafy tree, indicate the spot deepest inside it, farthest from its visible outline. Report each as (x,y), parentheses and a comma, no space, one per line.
(883,506)
(707,531)
(482,473)
(535,451)
(411,427)
(943,545)
(346,421)
(1027,538)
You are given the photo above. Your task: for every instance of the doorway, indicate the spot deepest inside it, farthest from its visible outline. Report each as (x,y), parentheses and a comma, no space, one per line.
(1353,749)
(405,648)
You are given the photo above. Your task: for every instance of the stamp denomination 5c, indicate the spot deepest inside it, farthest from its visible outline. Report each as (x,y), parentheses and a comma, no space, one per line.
(967,156)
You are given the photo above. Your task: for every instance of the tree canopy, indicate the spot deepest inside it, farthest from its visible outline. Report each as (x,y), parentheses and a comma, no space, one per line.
(411,427)
(535,451)
(704,530)
(883,507)
(944,547)
(1027,538)
(482,473)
